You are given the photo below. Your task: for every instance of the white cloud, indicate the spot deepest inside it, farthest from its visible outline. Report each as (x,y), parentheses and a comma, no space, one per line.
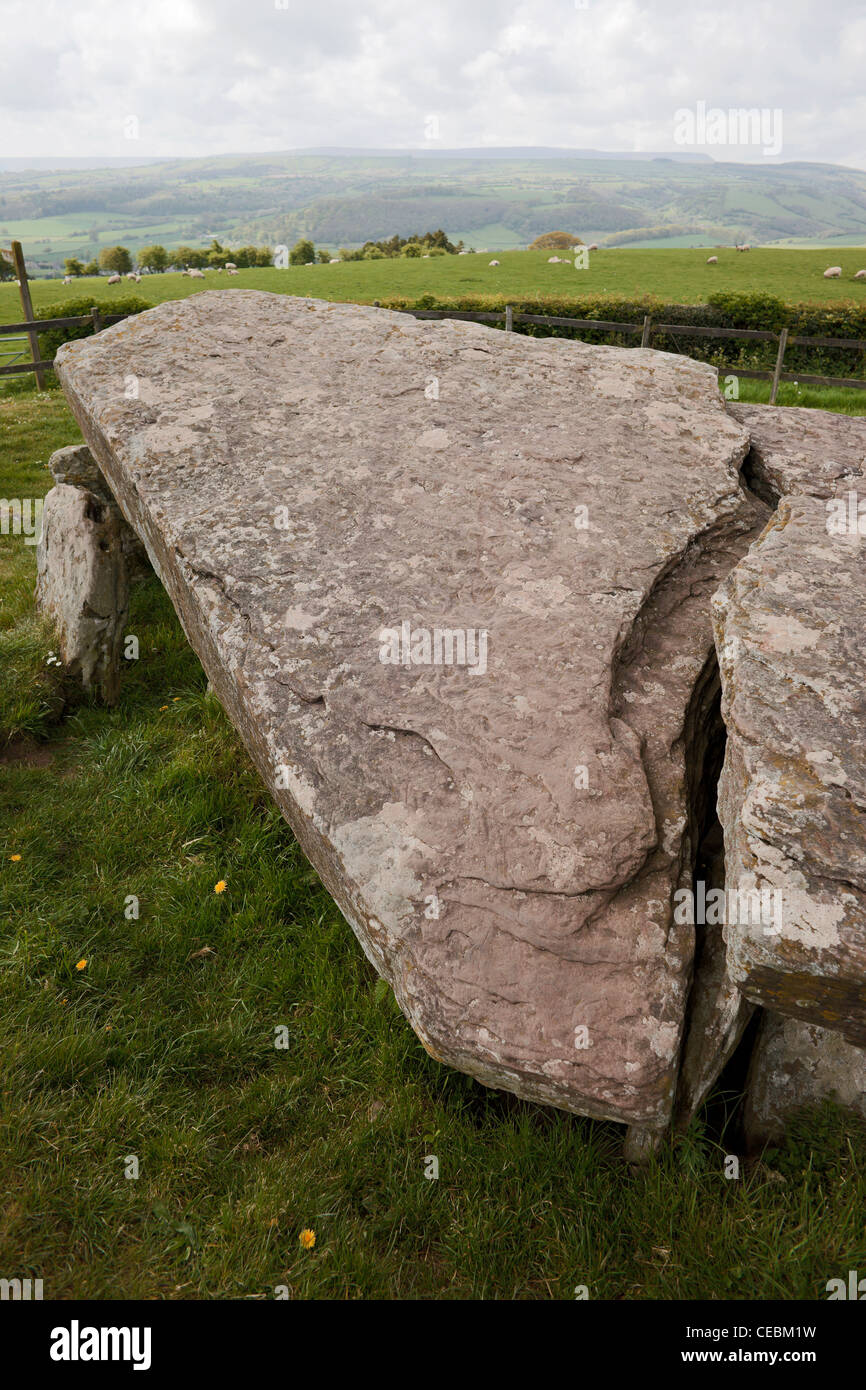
(211,76)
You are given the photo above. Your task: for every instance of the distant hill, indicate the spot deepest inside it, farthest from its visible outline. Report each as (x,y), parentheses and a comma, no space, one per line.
(488,198)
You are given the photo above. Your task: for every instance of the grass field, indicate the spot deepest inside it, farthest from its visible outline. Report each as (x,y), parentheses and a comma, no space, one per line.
(679,276)
(161,1046)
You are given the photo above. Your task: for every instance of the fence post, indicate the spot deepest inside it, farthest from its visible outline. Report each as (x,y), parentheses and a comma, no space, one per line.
(27,306)
(97,321)
(509,318)
(780,357)
(647,329)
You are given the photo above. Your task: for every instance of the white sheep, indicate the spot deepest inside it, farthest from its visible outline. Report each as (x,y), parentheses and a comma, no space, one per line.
(130,275)
(115,279)
(860,275)
(712,260)
(67,279)
(230,265)
(593,247)
(492,262)
(833,272)
(231,270)
(196,274)
(553,260)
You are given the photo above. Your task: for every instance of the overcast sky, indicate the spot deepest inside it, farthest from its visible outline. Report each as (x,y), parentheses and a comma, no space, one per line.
(196,77)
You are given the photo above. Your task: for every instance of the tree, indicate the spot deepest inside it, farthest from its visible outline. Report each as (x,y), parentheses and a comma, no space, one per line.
(92,267)
(412,249)
(189,256)
(7,269)
(72,266)
(153,258)
(116,259)
(555,241)
(324,256)
(302,253)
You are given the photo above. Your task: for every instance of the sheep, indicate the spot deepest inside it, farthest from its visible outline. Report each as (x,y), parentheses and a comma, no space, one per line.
(230,265)
(231,270)
(593,247)
(196,274)
(67,279)
(553,260)
(742,248)
(492,262)
(833,272)
(115,279)
(130,275)
(860,275)
(712,260)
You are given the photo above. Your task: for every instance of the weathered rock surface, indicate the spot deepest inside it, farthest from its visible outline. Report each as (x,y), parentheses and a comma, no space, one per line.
(792,797)
(505,832)
(76,466)
(796,450)
(82,584)
(795,1065)
(791,451)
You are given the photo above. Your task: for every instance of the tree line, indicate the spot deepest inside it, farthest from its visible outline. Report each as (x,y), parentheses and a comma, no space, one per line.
(118,260)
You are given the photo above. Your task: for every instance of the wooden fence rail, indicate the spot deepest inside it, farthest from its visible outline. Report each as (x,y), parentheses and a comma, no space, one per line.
(95,320)
(508,317)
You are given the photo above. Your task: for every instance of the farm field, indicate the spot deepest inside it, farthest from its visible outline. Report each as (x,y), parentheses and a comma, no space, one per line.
(162,1044)
(677,276)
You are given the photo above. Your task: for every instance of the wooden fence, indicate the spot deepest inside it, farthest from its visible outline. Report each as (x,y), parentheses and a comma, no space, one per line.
(507,317)
(33,327)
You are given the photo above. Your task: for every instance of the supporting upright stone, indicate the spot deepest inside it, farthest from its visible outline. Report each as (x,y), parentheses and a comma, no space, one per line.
(81,561)
(795,1065)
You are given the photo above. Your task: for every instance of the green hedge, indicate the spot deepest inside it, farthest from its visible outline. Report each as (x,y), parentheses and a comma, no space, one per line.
(762,311)
(51,340)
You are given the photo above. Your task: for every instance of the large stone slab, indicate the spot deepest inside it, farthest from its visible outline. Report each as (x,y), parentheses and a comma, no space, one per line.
(503,831)
(792,449)
(792,796)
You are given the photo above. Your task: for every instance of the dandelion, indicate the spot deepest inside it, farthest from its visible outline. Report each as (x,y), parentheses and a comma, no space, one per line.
(15,858)
(307,1239)
(80,965)
(220,887)
(162,707)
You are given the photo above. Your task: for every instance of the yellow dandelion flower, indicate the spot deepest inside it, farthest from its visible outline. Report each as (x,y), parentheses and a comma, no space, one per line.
(80,964)
(307,1239)
(220,887)
(162,707)
(16,858)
